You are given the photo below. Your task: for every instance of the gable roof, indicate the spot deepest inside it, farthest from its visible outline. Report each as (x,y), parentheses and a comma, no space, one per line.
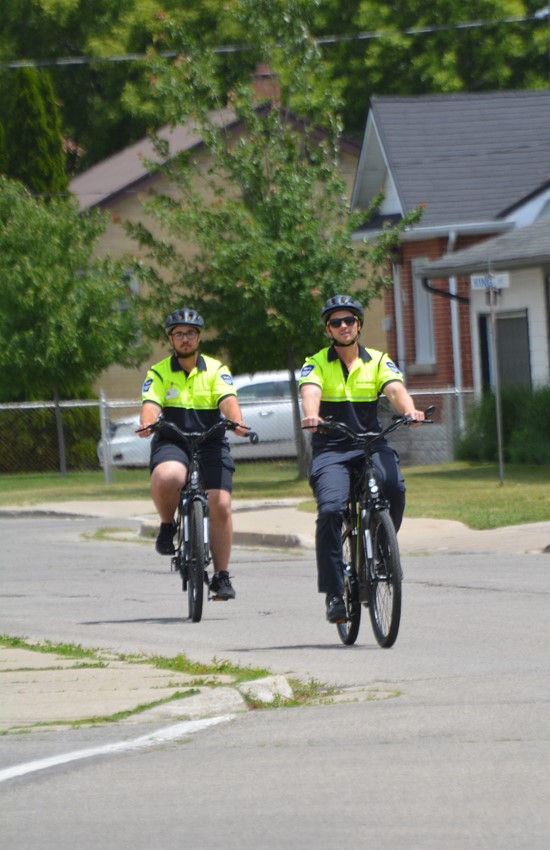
(125,169)
(525,247)
(467,157)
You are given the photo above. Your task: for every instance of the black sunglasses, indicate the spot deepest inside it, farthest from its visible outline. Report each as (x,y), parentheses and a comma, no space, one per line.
(347,320)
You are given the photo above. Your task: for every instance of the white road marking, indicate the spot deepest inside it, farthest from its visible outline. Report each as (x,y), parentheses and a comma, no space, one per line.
(163,736)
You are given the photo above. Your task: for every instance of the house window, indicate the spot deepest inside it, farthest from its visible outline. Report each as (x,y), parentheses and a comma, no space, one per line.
(423,317)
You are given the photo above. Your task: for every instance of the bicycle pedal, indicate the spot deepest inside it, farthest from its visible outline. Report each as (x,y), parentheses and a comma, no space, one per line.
(216,598)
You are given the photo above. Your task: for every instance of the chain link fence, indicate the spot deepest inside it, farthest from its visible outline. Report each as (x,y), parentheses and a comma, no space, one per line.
(100,434)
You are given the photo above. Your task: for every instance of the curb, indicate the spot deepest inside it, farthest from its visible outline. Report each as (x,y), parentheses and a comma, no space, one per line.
(249,538)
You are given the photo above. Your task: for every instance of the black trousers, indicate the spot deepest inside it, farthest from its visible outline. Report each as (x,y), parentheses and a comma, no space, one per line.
(330,481)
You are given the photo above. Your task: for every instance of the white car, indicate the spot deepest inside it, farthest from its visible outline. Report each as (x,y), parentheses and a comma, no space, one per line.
(266,405)
(265,399)
(125,448)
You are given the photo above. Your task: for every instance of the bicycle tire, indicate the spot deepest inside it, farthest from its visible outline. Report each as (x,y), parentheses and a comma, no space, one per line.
(384,580)
(349,630)
(197,560)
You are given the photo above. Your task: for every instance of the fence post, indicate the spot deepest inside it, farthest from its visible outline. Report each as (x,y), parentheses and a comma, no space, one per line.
(60,433)
(105,444)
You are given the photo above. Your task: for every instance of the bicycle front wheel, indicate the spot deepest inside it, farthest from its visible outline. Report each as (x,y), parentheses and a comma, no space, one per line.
(349,630)
(384,580)
(197,560)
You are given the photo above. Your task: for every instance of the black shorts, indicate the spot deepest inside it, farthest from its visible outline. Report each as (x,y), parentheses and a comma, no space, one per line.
(217,466)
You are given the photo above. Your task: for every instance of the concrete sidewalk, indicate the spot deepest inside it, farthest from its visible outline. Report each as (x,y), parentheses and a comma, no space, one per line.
(281,523)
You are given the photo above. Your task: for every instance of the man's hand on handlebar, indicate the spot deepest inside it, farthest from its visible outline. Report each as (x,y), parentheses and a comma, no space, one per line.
(145,429)
(241,430)
(415,417)
(312,421)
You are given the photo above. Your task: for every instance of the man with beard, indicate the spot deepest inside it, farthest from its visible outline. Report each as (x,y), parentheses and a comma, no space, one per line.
(192,390)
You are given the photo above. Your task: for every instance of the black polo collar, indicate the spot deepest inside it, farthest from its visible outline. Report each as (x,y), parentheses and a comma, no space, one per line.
(363,354)
(176,367)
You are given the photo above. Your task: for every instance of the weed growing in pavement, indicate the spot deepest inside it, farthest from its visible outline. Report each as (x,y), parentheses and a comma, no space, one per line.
(70,650)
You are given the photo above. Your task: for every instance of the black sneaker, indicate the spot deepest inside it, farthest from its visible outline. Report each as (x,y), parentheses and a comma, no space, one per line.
(165,539)
(336,609)
(221,587)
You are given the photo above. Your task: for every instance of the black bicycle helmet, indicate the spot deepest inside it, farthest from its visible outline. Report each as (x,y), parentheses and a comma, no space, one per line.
(342,302)
(184,316)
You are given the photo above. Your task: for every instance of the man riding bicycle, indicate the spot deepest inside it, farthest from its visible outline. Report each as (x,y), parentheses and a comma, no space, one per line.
(345,381)
(191,390)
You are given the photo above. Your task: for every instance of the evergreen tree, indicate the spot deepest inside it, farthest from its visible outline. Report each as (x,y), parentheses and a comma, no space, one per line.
(33,134)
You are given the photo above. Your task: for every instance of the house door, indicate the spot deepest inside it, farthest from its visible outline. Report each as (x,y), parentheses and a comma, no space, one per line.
(512,350)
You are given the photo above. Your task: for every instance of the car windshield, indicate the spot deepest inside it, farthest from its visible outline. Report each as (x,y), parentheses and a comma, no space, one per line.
(264,390)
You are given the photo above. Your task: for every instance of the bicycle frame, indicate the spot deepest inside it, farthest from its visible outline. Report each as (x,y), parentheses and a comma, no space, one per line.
(191,491)
(365,499)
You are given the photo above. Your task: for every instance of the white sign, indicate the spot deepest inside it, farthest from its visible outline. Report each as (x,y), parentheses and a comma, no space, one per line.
(490,281)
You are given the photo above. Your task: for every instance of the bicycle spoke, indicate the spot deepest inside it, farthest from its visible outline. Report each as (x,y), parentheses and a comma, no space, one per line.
(349,630)
(385,580)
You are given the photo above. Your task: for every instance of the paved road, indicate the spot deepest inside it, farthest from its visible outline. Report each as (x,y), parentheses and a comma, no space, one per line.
(443,740)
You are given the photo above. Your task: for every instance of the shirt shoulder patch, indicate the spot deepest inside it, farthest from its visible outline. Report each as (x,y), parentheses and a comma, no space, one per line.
(225,376)
(391,365)
(307,369)
(146,385)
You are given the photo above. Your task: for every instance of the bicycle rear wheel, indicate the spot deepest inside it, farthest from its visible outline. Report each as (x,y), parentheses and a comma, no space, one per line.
(349,630)
(197,560)
(384,580)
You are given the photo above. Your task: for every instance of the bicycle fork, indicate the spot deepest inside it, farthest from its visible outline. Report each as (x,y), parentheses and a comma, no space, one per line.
(365,550)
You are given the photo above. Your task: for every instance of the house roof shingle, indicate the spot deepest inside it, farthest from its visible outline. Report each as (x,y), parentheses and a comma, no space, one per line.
(122,170)
(524,247)
(468,157)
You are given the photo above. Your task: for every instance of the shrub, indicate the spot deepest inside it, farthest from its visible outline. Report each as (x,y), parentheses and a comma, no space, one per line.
(525,428)
(29,442)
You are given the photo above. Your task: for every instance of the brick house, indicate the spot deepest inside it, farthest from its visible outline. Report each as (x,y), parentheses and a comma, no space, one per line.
(480,166)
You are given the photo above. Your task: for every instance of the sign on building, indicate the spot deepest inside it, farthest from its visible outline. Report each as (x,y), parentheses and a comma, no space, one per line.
(490,281)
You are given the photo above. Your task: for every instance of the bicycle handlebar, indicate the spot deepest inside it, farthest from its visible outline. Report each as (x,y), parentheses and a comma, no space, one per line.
(397,420)
(201,436)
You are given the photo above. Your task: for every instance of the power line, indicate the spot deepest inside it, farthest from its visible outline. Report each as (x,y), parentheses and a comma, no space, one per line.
(320,40)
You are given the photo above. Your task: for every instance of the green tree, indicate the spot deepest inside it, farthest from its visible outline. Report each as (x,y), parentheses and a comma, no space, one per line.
(64,314)
(448,56)
(33,135)
(96,116)
(269,221)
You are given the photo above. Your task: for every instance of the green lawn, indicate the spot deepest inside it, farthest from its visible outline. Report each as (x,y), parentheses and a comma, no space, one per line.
(470,493)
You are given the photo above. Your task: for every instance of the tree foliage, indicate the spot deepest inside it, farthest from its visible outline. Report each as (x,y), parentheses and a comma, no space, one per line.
(3,151)
(414,48)
(33,139)
(64,315)
(98,98)
(96,115)
(269,222)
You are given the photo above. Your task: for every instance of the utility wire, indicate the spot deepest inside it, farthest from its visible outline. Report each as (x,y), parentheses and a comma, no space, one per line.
(320,40)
